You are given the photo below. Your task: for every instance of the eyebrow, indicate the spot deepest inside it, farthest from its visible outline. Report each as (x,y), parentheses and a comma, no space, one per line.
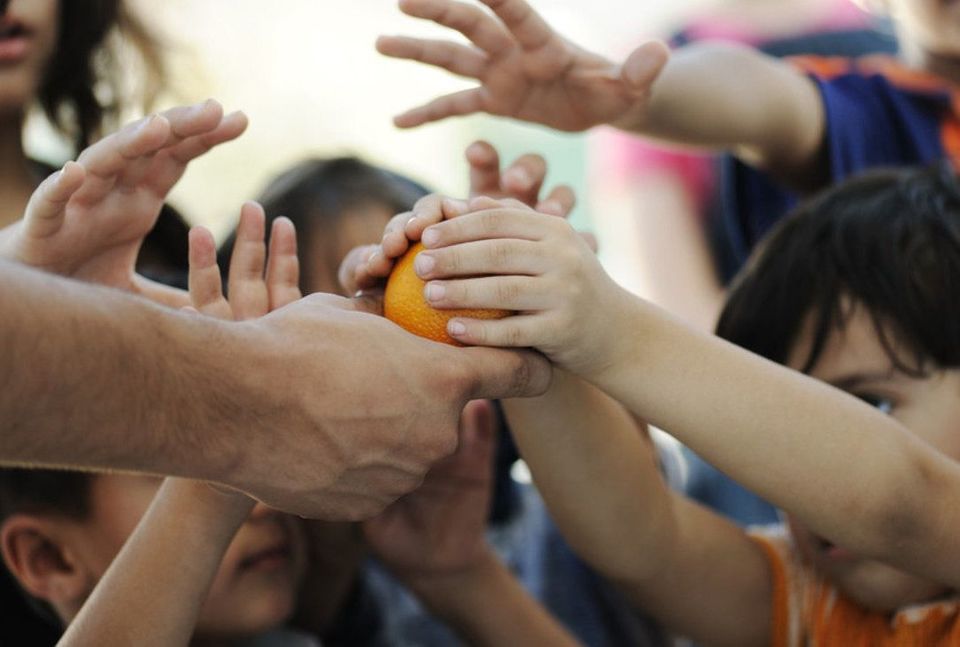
(848,382)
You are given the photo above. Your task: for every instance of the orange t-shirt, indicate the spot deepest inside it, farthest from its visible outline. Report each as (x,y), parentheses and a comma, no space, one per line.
(809,612)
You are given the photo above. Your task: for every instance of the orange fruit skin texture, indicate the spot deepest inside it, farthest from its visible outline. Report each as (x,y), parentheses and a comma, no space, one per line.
(403,303)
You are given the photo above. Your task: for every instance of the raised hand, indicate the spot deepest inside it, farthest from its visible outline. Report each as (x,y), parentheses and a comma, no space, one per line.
(89,220)
(439,528)
(526,70)
(258,282)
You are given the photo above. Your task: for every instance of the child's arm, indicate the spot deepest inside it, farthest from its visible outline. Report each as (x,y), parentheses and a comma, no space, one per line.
(89,220)
(813,450)
(434,541)
(693,571)
(717,96)
(153,590)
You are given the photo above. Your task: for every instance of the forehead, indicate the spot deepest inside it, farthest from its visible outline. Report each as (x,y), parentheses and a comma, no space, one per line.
(850,348)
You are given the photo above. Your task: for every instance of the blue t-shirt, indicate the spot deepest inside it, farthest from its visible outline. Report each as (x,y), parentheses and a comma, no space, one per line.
(878,114)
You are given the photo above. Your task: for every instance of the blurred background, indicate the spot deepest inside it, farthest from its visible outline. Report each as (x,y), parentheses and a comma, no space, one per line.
(307,74)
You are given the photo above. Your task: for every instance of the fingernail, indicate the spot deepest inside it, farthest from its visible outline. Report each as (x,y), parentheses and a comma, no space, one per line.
(373,255)
(551,207)
(424,264)
(520,177)
(434,291)
(456,328)
(430,238)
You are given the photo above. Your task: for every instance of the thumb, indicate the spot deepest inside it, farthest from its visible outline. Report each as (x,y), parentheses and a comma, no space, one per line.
(499,373)
(644,65)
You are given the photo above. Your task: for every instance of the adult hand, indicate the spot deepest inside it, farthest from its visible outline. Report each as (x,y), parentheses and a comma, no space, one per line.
(366,407)
(89,220)
(526,70)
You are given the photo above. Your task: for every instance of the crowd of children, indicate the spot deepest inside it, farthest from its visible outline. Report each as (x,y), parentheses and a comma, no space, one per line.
(831,387)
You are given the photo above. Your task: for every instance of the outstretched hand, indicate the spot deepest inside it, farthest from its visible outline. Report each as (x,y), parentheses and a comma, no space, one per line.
(526,70)
(89,220)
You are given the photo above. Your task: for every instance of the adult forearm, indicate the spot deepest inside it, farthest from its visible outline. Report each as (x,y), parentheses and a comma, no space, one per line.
(94,378)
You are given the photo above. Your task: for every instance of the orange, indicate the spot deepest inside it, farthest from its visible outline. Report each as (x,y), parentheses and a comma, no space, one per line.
(403,303)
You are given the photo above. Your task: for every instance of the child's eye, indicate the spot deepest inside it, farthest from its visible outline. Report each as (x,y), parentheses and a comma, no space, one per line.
(882,404)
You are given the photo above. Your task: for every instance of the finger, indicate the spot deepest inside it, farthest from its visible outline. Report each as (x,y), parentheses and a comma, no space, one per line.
(187,121)
(457,104)
(428,210)
(480,28)
(453,57)
(352,273)
(504,374)
(482,257)
(474,454)
(161,177)
(47,206)
(111,155)
(526,25)
(518,331)
(283,265)
(644,65)
(484,164)
(523,179)
(206,291)
(246,287)
(559,202)
(517,293)
(590,240)
(395,240)
(492,223)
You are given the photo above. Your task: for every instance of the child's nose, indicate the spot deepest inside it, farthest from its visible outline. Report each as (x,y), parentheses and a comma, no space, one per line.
(261,511)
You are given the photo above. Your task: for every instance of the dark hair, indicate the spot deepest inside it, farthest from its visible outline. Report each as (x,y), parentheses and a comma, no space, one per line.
(84,88)
(316,194)
(887,241)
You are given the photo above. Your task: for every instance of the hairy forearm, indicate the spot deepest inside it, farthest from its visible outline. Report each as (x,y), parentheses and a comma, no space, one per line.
(598,473)
(153,592)
(734,98)
(488,607)
(94,378)
(811,449)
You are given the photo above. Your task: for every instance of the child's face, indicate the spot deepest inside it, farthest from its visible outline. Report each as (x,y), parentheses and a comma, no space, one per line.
(255,587)
(362,225)
(930,25)
(25,53)
(854,360)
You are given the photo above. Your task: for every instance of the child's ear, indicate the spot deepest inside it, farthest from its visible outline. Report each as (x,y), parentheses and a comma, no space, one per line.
(42,563)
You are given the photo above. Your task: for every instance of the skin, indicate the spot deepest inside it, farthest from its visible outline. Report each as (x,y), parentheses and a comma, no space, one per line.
(665,550)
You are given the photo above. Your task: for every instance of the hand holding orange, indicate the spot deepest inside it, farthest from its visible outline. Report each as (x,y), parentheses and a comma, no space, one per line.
(403,303)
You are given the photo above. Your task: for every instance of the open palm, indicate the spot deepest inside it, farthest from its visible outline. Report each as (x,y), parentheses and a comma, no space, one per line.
(526,70)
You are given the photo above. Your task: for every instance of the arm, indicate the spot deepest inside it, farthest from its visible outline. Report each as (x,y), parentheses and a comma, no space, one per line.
(784,435)
(695,572)
(717,96)
(153,591)
(434,542)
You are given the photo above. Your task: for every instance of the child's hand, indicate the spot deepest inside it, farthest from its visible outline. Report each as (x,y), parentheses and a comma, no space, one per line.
(533,264)
(526,70)
(438,530)
(366,267)
(89,220)
(258,282)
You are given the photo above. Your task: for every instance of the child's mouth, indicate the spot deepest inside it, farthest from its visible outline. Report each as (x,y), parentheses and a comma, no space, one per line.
(833,552)
(14,41)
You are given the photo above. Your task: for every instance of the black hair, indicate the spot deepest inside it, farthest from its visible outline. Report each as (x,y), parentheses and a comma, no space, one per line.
(887,241)
(316,193)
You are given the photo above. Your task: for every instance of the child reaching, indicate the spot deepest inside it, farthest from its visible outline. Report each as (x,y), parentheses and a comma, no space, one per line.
(856,289)
(804,125)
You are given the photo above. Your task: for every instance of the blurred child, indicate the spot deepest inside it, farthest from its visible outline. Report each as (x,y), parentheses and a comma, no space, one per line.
(857,289)
(804,125)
